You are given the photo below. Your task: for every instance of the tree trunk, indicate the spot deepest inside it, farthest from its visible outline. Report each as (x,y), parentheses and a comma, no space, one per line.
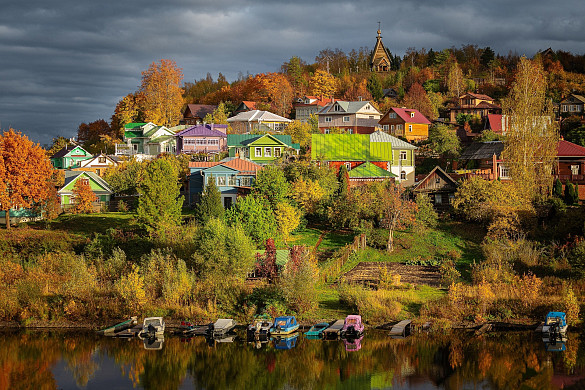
(390,246)
(7,216)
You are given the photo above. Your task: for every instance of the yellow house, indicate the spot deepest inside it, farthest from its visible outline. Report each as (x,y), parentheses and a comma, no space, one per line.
(407,123)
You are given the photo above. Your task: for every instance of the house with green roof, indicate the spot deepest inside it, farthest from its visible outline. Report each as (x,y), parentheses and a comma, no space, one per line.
(146,140)
(261,149)
(98,185)
(368,157)
(70,157)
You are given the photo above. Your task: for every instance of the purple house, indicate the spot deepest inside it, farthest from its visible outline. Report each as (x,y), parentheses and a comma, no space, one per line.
(209,138)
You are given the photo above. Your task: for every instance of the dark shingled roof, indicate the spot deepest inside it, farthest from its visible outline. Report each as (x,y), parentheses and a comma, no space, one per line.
(482,150)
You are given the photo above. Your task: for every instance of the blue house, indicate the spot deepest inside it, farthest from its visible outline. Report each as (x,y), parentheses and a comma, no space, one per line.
(233,177)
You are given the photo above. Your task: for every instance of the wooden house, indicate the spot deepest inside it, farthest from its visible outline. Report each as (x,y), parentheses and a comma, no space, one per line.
(146,141)
(100,188)
(258,121)
(406,122)
(474,104)
(439,186)
(195,113)
(261,149)
(382,150)
(69,157)
(380,62)
(233,177)
(573,105)
(570,163)
(98,164)
(245,106)
(483,159)
(309,105)
(358,117)
(209,138)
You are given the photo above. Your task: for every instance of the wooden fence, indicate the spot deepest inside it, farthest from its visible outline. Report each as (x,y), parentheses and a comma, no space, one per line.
(335,266)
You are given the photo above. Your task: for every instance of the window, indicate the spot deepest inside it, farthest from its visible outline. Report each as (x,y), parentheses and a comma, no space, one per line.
(392,127)
(349,131)
(246,182)
(438,180)
(102,160)
(212,142)
(232,180)
(221,181)
(267,152)
(201,141)
(348,166)
(564,108)
(410,128)
(403,154)
(84,181)
(346,119)
(412,114)
(328,119)
(393,115)
(399,127)
(504,172)
(276,152)
(403,175)
(385,127)
(258,152)
(574,169)
(327,131)
(371,117)
(336,108)
(438,199)
(188,141)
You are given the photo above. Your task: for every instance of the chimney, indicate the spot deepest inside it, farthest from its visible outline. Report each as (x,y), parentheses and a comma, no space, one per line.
(360,98)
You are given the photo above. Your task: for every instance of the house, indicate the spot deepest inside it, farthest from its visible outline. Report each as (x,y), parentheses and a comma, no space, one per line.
(439,186)
(146,141)
(245,106)
(406,122)
(233,177)
(100,188)
(379,149)
(570,163)
(573,105)
(309,105)
(368,172)
(483,159)
(358,117)
(98,164)
(256,121)
(209,138)
(69,157)
(261,149)
(195,113)
(380,62)
(390,93)
(21,215)
(474,104)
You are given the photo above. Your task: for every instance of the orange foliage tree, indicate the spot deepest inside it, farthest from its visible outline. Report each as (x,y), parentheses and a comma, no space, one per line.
(25,170)
(417,98)
(84,196)
(279,93)
(163,95)
(396,209)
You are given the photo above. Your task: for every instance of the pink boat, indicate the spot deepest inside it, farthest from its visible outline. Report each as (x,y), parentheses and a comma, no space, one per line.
(352,327)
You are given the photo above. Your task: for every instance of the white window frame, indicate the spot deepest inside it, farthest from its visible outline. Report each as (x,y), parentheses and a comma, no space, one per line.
(574,168)
(327,119)
(277,152)
(392,127)
(348,166)
(410,128)
(403,175)
(349,131)
(403,155)
(267,152)
(257,152)
(101,160)
(246,182)
(385,127)
(327,131)
(232,180)
(392,115)
(504,172)
(220,181)
(412,114)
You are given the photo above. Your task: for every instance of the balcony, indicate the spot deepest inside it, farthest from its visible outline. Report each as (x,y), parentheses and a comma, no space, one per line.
(579,179)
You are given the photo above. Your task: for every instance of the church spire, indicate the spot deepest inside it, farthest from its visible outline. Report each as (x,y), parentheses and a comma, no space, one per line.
(380,62)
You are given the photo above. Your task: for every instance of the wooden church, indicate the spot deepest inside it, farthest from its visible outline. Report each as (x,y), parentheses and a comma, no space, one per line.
(380,62)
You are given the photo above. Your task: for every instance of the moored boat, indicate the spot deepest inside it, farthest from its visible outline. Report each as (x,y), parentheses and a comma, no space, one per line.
(223,326)
(259,328)
(119,327)
(152,327)
(555,323)
(316,331)
(353,327)
(284,325)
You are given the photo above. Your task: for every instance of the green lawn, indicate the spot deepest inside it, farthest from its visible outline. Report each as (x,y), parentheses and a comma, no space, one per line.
(88,224)
(309,236)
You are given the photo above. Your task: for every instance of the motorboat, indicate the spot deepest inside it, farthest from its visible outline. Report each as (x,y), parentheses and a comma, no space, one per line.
(120,327)
(223,326)
(353,327)
(316,330)
(260,328)
(555,323)
(284,325)
(152,326)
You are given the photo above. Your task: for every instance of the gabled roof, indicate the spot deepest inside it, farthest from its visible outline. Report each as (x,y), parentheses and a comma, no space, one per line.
(397,143)
(569,149)
(577,97)
(348,107)
(495,122)
(71,176)
(379,52)
(405,115)
(439,171)
(476,95)
(482,150)
(130,126)
(207,130)
(199,110)
(314,101)
(235,140)
(236,163)
(250,104)
(369,170)
(486,105)
(90,160)
(257,116)
(66,150)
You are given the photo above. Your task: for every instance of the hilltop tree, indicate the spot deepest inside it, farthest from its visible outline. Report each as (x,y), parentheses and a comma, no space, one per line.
(25,171)
(129,109)
(531,141)
(92,135)
(323,84)
(455,81)
(163,96)
(159,204)
(58,144)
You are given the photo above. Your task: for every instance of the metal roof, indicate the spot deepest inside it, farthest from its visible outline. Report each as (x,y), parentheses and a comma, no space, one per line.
(482,150)
(369,170)
(397,143)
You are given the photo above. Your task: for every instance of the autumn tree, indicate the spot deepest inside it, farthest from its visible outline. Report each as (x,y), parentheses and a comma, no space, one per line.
(210,205)
(288,218)
(25,170)
(58,144)
(96,136)
(531,141)
(307,193)
(130,109)
(163,96)
(300,133)
(160,203)
(323,84)
(455,81)
(83,196)
(278,92)
(218,116)
(417,98)
(396,209)
(126,177)
(444,140)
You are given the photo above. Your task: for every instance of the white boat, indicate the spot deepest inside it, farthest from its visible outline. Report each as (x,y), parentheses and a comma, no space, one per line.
(152,327)
(223,326)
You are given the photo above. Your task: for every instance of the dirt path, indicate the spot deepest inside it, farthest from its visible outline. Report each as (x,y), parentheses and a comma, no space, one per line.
(369,273)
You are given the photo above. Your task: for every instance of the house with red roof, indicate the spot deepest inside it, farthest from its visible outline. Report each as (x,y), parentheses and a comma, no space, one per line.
(406,122)
(474,104)
(195,113)
(570,164)
(244,106)
(309,105)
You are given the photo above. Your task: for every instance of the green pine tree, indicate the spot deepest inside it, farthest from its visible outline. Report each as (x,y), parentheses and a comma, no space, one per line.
(343,178)
(374,86)
(160,203)
(558,189)
(569,193)
(210,205)
(576,194)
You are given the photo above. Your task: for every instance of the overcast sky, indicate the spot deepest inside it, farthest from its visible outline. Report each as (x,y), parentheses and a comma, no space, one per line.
(63,62)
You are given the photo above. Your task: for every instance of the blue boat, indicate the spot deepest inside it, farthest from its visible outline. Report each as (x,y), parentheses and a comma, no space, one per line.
(316,330)
(555,323)
(284,325)
(286,342)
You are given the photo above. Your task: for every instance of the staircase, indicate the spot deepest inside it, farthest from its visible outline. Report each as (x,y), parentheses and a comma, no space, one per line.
(368,273)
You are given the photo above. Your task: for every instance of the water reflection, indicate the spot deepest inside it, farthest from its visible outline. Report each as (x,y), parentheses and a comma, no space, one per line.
(50,360)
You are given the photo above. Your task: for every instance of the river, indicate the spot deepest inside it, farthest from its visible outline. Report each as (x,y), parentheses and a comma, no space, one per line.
(83,360)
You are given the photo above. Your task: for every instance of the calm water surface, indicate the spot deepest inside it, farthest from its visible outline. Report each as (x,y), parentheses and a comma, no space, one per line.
(65,360)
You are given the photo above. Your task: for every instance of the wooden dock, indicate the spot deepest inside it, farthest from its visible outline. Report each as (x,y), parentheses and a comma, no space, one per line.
(401,329)
(333,331)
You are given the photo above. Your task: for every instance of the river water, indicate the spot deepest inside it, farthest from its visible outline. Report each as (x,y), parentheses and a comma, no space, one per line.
(74,360)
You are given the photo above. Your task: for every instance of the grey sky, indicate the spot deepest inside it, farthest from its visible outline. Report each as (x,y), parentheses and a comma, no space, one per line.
(63,62)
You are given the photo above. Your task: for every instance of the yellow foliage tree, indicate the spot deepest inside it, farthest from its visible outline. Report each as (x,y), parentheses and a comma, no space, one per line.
(83,196)
(163,95)
(307,193)
(279,92)
(323,84)
(288,218)
(131,289)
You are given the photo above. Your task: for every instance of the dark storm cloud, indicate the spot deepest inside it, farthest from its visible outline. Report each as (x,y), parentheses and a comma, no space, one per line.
(65,62)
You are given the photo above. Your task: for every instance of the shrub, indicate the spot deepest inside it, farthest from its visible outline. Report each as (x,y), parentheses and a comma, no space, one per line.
(570,304)
(122,206)
(130,288)
(298,281)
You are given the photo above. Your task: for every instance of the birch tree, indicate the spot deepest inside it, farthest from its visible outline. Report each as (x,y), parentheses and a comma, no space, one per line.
(163,95)
(532,137)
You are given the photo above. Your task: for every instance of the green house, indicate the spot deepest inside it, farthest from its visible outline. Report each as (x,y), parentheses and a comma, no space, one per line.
(146,139)
(69,157)
(261,149)
(100,188)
